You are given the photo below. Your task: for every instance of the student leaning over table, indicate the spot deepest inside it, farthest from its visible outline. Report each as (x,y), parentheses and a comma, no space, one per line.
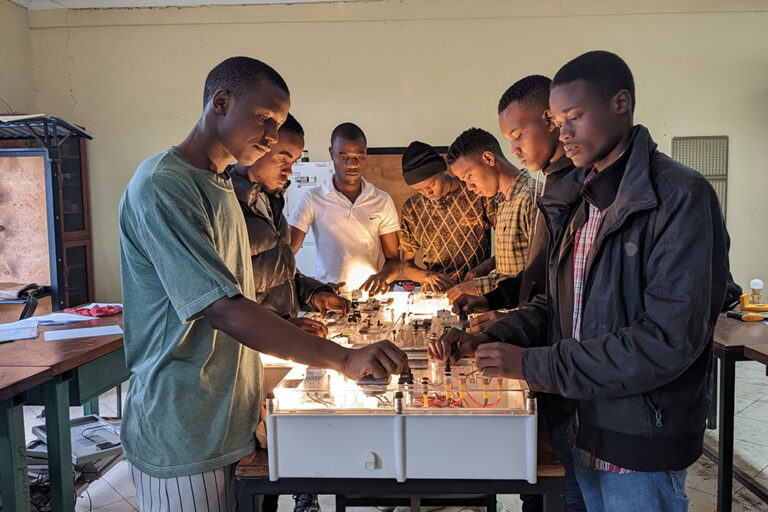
(636,279)
(192,331)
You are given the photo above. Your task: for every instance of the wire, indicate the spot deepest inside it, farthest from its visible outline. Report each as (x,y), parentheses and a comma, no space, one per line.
(485,402)
(10,108)
(474,401)
(496,402)
(315,398)
(97,427)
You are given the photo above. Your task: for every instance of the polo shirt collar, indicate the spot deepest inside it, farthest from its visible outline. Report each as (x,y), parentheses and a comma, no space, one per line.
(367,190)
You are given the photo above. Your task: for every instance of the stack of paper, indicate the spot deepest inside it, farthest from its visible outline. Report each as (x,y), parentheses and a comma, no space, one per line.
(21,330)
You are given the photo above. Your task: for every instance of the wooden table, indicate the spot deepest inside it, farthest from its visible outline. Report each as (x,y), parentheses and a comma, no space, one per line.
(731,338)
(252,479)
(757,353)
(81,369)
(14,479)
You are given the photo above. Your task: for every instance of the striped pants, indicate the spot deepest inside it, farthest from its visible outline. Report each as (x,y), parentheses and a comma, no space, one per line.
(213,491)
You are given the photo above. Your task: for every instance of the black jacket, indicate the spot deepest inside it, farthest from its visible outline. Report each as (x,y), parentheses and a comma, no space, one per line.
(654,284)
(531,281)
(279,285)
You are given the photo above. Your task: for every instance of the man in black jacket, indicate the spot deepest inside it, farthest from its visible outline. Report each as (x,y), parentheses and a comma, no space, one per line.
(526,122)
(636,279)
(280,287)
(260,189)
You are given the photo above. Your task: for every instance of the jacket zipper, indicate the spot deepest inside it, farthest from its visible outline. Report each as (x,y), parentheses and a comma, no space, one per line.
(656,410)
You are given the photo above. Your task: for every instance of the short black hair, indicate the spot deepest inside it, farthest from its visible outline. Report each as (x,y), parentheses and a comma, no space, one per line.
(471,142)
(240,75)
(531,91)
(291,125)
(348,131)
(606,72)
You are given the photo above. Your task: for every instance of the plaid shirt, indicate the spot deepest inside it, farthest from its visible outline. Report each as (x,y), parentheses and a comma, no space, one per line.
(455,231)
(512,229)
(585,236)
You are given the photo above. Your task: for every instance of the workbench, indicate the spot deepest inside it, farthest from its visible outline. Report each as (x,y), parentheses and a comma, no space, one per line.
(252,479)
(75,373)
(731,338)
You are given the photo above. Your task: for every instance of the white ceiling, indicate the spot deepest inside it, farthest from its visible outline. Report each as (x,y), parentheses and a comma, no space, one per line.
(108,4)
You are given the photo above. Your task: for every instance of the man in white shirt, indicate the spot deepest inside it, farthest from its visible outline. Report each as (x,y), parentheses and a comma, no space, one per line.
(355,224)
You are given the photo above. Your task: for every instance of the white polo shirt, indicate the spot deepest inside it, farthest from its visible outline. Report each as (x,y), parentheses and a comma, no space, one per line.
(347,243)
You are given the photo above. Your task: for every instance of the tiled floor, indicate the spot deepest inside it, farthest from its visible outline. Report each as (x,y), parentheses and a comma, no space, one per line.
(114,492)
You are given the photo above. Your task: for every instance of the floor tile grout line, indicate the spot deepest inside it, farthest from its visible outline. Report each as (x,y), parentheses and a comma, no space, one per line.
(113,488)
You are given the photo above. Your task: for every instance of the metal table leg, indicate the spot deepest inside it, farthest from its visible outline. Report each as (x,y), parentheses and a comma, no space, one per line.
(56,393)
(553,495)
(14,479)
(246,500)
(712,419)
(91,407)
(725,441)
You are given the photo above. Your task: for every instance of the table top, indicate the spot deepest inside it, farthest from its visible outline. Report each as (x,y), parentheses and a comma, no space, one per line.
(757,353)
(256,465)
(732,334)
(62,355)
(17,379)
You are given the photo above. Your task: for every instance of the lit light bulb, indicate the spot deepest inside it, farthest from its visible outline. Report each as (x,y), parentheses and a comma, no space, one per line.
(356,274)
(757,287)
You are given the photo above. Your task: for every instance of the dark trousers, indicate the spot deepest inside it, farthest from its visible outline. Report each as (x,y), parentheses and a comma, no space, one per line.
(572,498)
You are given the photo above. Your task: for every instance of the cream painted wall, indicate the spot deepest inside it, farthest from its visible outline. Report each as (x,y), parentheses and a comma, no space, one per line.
(16,91)
(404,70)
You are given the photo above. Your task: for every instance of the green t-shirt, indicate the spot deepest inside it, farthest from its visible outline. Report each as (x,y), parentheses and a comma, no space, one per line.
(194,395)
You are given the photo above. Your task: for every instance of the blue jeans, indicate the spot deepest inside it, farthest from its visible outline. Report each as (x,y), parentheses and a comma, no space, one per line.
(662,491)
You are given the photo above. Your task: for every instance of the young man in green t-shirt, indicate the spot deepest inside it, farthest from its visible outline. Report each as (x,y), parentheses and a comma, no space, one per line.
(192,331)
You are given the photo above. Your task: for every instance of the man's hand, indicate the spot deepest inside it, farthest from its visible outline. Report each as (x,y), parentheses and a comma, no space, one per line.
(379,360)
(310,326)
(481,322)
(470,304)
(375,284)
(481,269)
(438,282)
(469,276)
(500,360)
(465,288)
(455,344)
(327,301)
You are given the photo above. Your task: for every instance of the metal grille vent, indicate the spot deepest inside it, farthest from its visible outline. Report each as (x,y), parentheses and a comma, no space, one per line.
(709,156)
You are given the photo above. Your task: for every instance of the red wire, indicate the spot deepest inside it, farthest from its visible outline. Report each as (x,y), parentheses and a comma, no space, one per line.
(488,405)
(475,401)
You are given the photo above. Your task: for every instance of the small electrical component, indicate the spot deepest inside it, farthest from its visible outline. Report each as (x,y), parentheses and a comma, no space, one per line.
(425,391)
(314,378)
(448,382)
(317,385)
